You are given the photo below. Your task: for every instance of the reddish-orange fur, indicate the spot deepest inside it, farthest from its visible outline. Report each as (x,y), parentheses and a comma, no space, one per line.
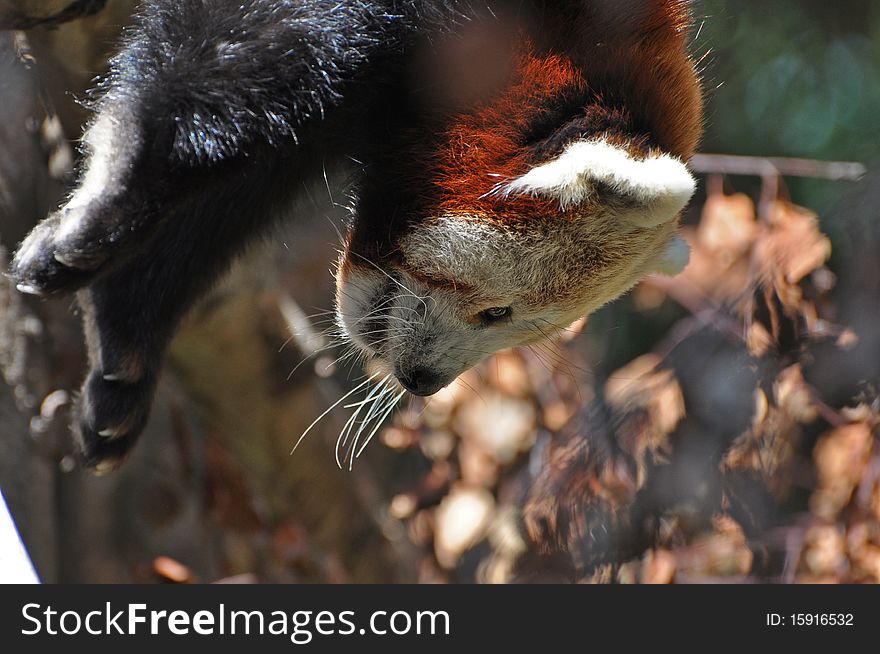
(630,59)
(483,149)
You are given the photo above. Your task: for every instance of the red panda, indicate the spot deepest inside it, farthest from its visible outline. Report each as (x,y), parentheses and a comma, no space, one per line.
(480,223)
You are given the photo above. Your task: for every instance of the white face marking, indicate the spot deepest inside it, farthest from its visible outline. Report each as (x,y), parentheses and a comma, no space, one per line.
(405,324)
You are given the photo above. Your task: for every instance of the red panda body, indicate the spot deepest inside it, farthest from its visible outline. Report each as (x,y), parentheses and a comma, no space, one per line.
(500,196)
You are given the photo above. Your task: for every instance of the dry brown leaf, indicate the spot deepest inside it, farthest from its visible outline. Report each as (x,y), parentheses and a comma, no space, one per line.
(847,339)
(654,400)
(460,522)
(658,567)
(477,466)
(789,247)
(402,506)
(501,425)
(793,395)
(720,245)
(723,553)
(824,551)
(768,446)
(706,272)
(728,226)
(556,414)
(437,444)
(398,438)
(841,456)
(172,570)
(633,383)
(642,384)
(758,339)
(508,373)
(863,412)
(863,548)
(794,246)
(579,495)
(647,297)
(574,329)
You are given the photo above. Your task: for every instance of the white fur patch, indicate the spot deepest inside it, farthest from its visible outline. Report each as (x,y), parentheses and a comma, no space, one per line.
(352,301)
(658,187)
(473,252)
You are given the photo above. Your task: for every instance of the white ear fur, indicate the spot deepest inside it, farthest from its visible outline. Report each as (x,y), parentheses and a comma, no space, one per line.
(676,257)
(654,190)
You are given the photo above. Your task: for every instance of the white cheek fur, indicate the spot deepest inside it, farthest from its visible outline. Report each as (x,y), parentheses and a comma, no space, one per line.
(353,295)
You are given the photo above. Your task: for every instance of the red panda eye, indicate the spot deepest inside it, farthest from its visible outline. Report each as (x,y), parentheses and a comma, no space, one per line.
(494,314)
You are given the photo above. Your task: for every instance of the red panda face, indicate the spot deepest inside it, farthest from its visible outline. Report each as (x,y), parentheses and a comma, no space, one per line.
(544,205)
(465,285)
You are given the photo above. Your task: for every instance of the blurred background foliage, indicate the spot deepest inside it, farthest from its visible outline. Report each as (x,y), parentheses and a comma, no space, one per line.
(787,78)
(682,435)
(793,78)
(814,63)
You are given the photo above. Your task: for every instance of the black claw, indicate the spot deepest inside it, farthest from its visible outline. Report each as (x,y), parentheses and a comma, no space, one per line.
(56,267)
(50,278)
(110,416)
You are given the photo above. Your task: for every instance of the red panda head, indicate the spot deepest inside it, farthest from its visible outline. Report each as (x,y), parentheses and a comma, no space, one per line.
(538,207)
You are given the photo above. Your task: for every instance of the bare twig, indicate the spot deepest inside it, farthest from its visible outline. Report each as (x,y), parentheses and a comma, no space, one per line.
(765,167)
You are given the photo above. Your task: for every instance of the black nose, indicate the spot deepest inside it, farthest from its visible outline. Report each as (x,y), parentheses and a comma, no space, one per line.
(420,381)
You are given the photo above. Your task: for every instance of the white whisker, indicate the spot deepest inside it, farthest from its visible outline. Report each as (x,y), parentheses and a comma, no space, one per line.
(332,406)
(342,439)
(385,413)
(377,402)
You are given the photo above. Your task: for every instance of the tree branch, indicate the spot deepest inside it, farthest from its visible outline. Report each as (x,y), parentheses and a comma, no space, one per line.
(774,166)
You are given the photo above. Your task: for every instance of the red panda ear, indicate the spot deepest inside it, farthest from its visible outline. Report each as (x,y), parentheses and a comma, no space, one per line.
(651,191)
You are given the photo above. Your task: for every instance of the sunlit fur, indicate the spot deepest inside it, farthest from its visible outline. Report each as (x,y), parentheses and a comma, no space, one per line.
(552,199)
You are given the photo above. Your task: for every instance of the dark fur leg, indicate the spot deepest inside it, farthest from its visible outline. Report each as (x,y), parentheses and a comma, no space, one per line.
(213,114)
(132,311)
(243,76)
(125,342)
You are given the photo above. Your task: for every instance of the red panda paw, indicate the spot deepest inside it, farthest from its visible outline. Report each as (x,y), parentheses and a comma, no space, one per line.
(111,413)
(44,266)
